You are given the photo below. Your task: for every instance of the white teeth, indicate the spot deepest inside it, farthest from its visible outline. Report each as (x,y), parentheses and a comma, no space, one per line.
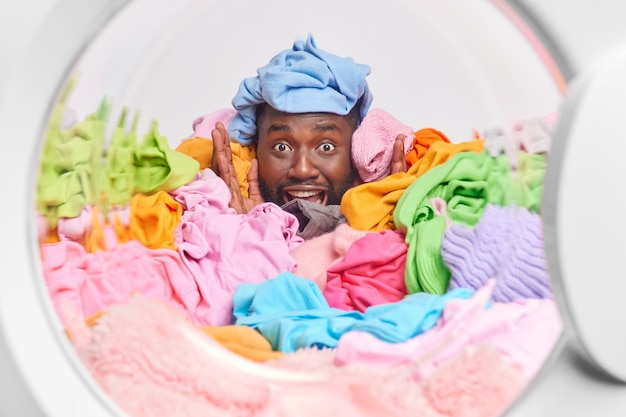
(303,194)
(319,201)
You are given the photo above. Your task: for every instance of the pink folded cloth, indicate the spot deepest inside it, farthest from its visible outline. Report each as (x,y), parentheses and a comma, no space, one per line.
(203,125)
(372,144)
(316,255)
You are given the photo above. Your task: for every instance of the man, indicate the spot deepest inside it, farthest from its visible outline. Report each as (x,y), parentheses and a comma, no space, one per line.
(300,112)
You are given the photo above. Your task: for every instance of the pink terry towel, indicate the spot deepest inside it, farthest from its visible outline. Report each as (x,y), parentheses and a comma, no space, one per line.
(153,362)
(372,144)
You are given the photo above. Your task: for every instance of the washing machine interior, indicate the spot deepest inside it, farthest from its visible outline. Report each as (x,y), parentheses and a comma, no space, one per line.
(476,72)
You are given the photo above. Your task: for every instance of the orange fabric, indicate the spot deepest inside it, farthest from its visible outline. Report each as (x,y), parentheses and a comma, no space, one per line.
(121,231)
(422,140)
(52,236)
(244,341)
(370,206)
(201,149)
(153,219)
(439,152)
(94,241)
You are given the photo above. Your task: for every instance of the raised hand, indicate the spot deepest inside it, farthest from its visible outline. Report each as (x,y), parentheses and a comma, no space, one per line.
(398,160)
(223,166)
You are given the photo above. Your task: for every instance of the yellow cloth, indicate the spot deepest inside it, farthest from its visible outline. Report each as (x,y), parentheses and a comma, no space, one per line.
(201,149)
(370,206)
(244,341)
(153,219)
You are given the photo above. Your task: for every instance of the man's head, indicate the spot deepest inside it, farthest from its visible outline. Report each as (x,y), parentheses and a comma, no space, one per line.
(305,155)
(302,108)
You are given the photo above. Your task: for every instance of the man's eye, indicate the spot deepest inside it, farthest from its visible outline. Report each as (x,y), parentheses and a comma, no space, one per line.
(327,147)
(281,147)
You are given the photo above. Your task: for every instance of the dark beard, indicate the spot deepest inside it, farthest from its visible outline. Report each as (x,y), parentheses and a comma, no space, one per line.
(334,196)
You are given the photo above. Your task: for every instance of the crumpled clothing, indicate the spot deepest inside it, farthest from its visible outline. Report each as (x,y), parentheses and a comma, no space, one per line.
(371,273)
(224,249)
(314,219)
(316,255)
(370,206)
(160,168)
(118,182)
(153,219)
(201,149)
(93,282)
(69,175)
(153,362)
(523,332)
(372,144)
(301,80)
(466,182)
(292,313)
(421,140)
(203,125)
(529,180)
(506,245)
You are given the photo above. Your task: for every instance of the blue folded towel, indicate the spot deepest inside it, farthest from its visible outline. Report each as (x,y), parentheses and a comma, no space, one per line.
(300,80)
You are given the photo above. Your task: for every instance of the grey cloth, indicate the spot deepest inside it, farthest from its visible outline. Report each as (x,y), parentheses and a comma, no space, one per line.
(315,219)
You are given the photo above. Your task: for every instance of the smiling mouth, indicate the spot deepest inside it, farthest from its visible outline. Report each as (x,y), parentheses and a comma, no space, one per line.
(315,196)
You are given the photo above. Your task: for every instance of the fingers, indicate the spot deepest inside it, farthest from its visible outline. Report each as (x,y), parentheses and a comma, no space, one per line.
(222,162)
(254,190)
(398,159)
(222,165)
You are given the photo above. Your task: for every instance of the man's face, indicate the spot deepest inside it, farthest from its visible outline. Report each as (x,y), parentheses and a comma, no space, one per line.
(305,156)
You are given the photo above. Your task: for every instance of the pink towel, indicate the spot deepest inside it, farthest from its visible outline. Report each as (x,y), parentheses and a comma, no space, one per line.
(203,125)
(372,144)
(152,362)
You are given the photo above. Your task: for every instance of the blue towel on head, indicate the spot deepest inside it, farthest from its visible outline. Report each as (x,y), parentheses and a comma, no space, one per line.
(300,80)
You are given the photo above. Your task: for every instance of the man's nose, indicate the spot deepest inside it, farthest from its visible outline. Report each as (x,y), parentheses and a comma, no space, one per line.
(303,168)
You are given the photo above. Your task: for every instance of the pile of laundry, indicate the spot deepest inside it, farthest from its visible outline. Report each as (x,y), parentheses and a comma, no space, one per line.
(425,291)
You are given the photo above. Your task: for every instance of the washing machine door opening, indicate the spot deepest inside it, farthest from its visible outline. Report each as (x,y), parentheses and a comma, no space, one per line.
(128,285)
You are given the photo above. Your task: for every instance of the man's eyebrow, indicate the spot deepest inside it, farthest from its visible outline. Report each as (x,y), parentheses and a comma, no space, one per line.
(279,128)
(325,127)
(286,128)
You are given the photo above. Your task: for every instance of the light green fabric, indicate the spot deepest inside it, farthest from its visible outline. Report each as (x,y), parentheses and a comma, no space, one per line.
(529,180)
(158,167)
(463,183)
(70,165)
(119,172)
